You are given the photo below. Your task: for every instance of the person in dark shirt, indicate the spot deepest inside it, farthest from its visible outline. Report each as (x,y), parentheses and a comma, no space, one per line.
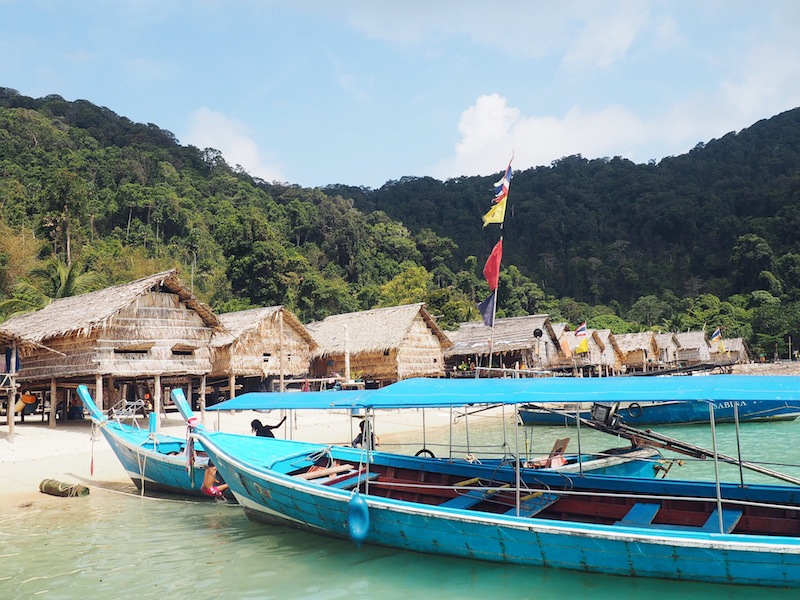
(359,442)
(265,430)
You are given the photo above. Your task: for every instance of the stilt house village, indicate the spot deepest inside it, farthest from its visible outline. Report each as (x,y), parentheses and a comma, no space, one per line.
(132,343)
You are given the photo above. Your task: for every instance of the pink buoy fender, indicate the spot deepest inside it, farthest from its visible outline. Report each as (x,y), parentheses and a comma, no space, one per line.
(357,518)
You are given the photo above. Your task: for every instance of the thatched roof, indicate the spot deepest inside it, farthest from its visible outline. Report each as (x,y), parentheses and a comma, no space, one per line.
(630,342)
(510,335)
(235,325)
(665,341)
(689,340)
(603,338)
(7,338)
(734,344)
(376,330)
(731,345)
(79,315)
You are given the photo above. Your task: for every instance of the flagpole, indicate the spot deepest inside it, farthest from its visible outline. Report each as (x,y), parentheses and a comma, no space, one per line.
(491,271)
(494,309)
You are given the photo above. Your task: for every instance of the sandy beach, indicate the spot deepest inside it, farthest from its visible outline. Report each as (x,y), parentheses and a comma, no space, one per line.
(73,452)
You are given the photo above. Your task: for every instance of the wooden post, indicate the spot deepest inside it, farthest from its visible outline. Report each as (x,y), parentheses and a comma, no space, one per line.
(157,404)
(98,390)
(203,399)
(280,349)
(12,394)
(232,384)
(53,402)
(346,353)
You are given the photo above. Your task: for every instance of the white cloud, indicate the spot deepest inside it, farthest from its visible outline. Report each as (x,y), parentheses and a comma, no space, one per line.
(491,130)
(605,39)
(211,129)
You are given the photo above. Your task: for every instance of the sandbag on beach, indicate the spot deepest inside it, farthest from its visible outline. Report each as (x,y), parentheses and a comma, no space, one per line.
(66,490)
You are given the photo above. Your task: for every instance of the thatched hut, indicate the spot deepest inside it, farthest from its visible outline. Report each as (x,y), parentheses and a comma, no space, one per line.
(639,351)
(730,351)
(605,352)
(693,348)
(381,346)
(253,347)
(150,332)
(528,342)
(667,346)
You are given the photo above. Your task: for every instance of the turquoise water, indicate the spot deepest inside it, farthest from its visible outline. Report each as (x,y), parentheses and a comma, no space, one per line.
(110,544)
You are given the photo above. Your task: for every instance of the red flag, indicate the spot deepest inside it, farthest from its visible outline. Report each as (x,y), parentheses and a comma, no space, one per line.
(492,269)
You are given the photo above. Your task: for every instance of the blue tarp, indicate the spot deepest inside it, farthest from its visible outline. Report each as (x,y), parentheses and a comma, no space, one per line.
(431,393)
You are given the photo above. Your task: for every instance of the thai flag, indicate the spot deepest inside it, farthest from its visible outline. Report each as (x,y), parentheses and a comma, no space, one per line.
(501,187)
(716,337)
(581,330)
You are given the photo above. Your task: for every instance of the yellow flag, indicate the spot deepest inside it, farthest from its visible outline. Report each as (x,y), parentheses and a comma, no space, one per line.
(496,214)
(583,346)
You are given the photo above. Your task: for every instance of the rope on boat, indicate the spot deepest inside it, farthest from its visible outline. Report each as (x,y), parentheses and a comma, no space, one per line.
(548,489)
(158,499)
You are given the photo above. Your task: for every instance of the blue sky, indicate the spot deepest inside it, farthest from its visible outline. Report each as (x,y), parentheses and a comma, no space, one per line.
(314,92)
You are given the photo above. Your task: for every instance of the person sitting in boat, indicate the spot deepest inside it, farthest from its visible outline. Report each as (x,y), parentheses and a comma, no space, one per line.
(211,484)
(265,430)
(360,438)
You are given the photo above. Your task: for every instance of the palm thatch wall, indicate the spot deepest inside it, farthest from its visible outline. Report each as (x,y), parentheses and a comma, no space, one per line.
(261,342)
(383,344)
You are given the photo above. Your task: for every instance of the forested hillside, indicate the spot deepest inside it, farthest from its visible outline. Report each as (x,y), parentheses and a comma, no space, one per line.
(89,198)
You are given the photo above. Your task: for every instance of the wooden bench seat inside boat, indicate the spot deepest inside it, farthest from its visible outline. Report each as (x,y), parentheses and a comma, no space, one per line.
(642,514)
(533,504)
(350,480)
(472,497)
(325,472)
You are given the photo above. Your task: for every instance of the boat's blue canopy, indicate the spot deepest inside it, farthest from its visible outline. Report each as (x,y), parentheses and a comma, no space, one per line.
(431,393)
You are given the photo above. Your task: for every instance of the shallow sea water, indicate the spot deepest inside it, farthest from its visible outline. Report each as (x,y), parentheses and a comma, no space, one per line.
(114,543)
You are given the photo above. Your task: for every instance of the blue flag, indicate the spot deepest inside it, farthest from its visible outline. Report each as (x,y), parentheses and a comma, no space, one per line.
(487,309)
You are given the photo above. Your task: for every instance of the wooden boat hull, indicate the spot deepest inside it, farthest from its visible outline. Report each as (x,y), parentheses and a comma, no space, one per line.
(162,470)
(638,414)
(271,496)
(155,462)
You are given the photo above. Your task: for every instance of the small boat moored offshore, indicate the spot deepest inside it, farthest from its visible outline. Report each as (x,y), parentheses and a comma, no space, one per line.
(709,531)
(669,412)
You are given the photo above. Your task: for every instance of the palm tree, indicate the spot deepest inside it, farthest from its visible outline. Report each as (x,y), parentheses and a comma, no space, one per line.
(54,279)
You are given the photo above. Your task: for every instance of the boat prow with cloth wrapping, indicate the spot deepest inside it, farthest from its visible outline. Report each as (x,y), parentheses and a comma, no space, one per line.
(710,531)
(155,462)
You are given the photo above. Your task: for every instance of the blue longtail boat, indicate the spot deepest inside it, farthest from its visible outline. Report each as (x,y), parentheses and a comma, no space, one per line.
(709,531)
(642,413)
(154,461)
